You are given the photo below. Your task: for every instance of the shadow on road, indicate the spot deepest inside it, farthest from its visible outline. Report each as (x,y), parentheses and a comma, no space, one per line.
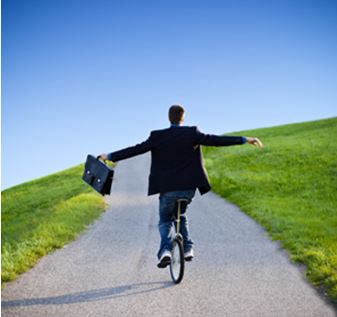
(90,296)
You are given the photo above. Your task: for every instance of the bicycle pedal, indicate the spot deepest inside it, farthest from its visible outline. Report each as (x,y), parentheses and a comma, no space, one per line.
(189,258)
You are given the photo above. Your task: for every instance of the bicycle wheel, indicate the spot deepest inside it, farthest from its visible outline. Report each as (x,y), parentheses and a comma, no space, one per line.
(177,265)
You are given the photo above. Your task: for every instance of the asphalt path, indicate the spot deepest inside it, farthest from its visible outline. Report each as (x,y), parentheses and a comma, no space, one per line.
(110,270)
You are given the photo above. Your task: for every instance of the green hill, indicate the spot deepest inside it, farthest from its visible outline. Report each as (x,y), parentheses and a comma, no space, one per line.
(290,188)
(42,215)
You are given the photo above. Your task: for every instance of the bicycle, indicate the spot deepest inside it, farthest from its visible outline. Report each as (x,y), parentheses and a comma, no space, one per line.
(177,265)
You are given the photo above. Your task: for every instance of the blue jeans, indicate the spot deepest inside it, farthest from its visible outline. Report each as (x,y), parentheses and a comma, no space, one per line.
(167,210)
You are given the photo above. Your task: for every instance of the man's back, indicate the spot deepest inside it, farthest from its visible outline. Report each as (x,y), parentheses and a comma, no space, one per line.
(176,161)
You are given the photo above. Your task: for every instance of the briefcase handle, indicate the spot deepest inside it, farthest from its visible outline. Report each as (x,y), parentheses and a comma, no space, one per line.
(104,161)
(98,157)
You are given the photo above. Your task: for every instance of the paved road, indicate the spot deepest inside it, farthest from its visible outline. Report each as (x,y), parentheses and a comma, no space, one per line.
(111,269)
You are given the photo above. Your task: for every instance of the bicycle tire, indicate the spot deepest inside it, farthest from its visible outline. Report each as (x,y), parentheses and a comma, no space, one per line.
(177,265)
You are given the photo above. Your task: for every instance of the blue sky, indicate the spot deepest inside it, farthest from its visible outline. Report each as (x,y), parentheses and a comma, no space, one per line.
(83,77)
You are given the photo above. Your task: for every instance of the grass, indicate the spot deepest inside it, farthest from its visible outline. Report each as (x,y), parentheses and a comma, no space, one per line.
(290,188)
(43,215)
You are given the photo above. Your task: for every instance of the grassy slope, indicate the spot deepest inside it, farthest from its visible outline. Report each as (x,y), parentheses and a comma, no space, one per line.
(42,215)
(290,188)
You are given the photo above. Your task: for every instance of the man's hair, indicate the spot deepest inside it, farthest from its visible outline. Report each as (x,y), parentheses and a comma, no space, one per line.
(176,113)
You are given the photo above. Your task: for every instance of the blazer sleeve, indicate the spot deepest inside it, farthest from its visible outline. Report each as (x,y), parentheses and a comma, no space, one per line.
(131,151)
(216,140)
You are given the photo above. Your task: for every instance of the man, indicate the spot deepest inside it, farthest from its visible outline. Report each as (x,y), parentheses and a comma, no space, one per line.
(177,170)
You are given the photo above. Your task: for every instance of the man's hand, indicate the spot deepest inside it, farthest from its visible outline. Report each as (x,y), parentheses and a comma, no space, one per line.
(255,141)
(103,157)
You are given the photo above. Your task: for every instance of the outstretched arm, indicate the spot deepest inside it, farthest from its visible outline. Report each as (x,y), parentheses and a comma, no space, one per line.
(128,152)
(217,140)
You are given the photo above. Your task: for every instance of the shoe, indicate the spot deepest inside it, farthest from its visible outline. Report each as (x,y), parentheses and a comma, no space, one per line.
(164,260)
(189,255)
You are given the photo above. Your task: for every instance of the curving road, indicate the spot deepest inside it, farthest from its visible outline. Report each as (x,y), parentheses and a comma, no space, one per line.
(111,269)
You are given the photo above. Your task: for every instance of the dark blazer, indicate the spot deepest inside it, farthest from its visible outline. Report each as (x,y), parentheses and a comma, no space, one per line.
(177,162)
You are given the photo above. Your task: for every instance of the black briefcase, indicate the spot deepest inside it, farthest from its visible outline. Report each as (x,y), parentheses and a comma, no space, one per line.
(98,175)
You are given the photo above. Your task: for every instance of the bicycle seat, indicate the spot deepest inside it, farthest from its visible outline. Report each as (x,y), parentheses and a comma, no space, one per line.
(183,204)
